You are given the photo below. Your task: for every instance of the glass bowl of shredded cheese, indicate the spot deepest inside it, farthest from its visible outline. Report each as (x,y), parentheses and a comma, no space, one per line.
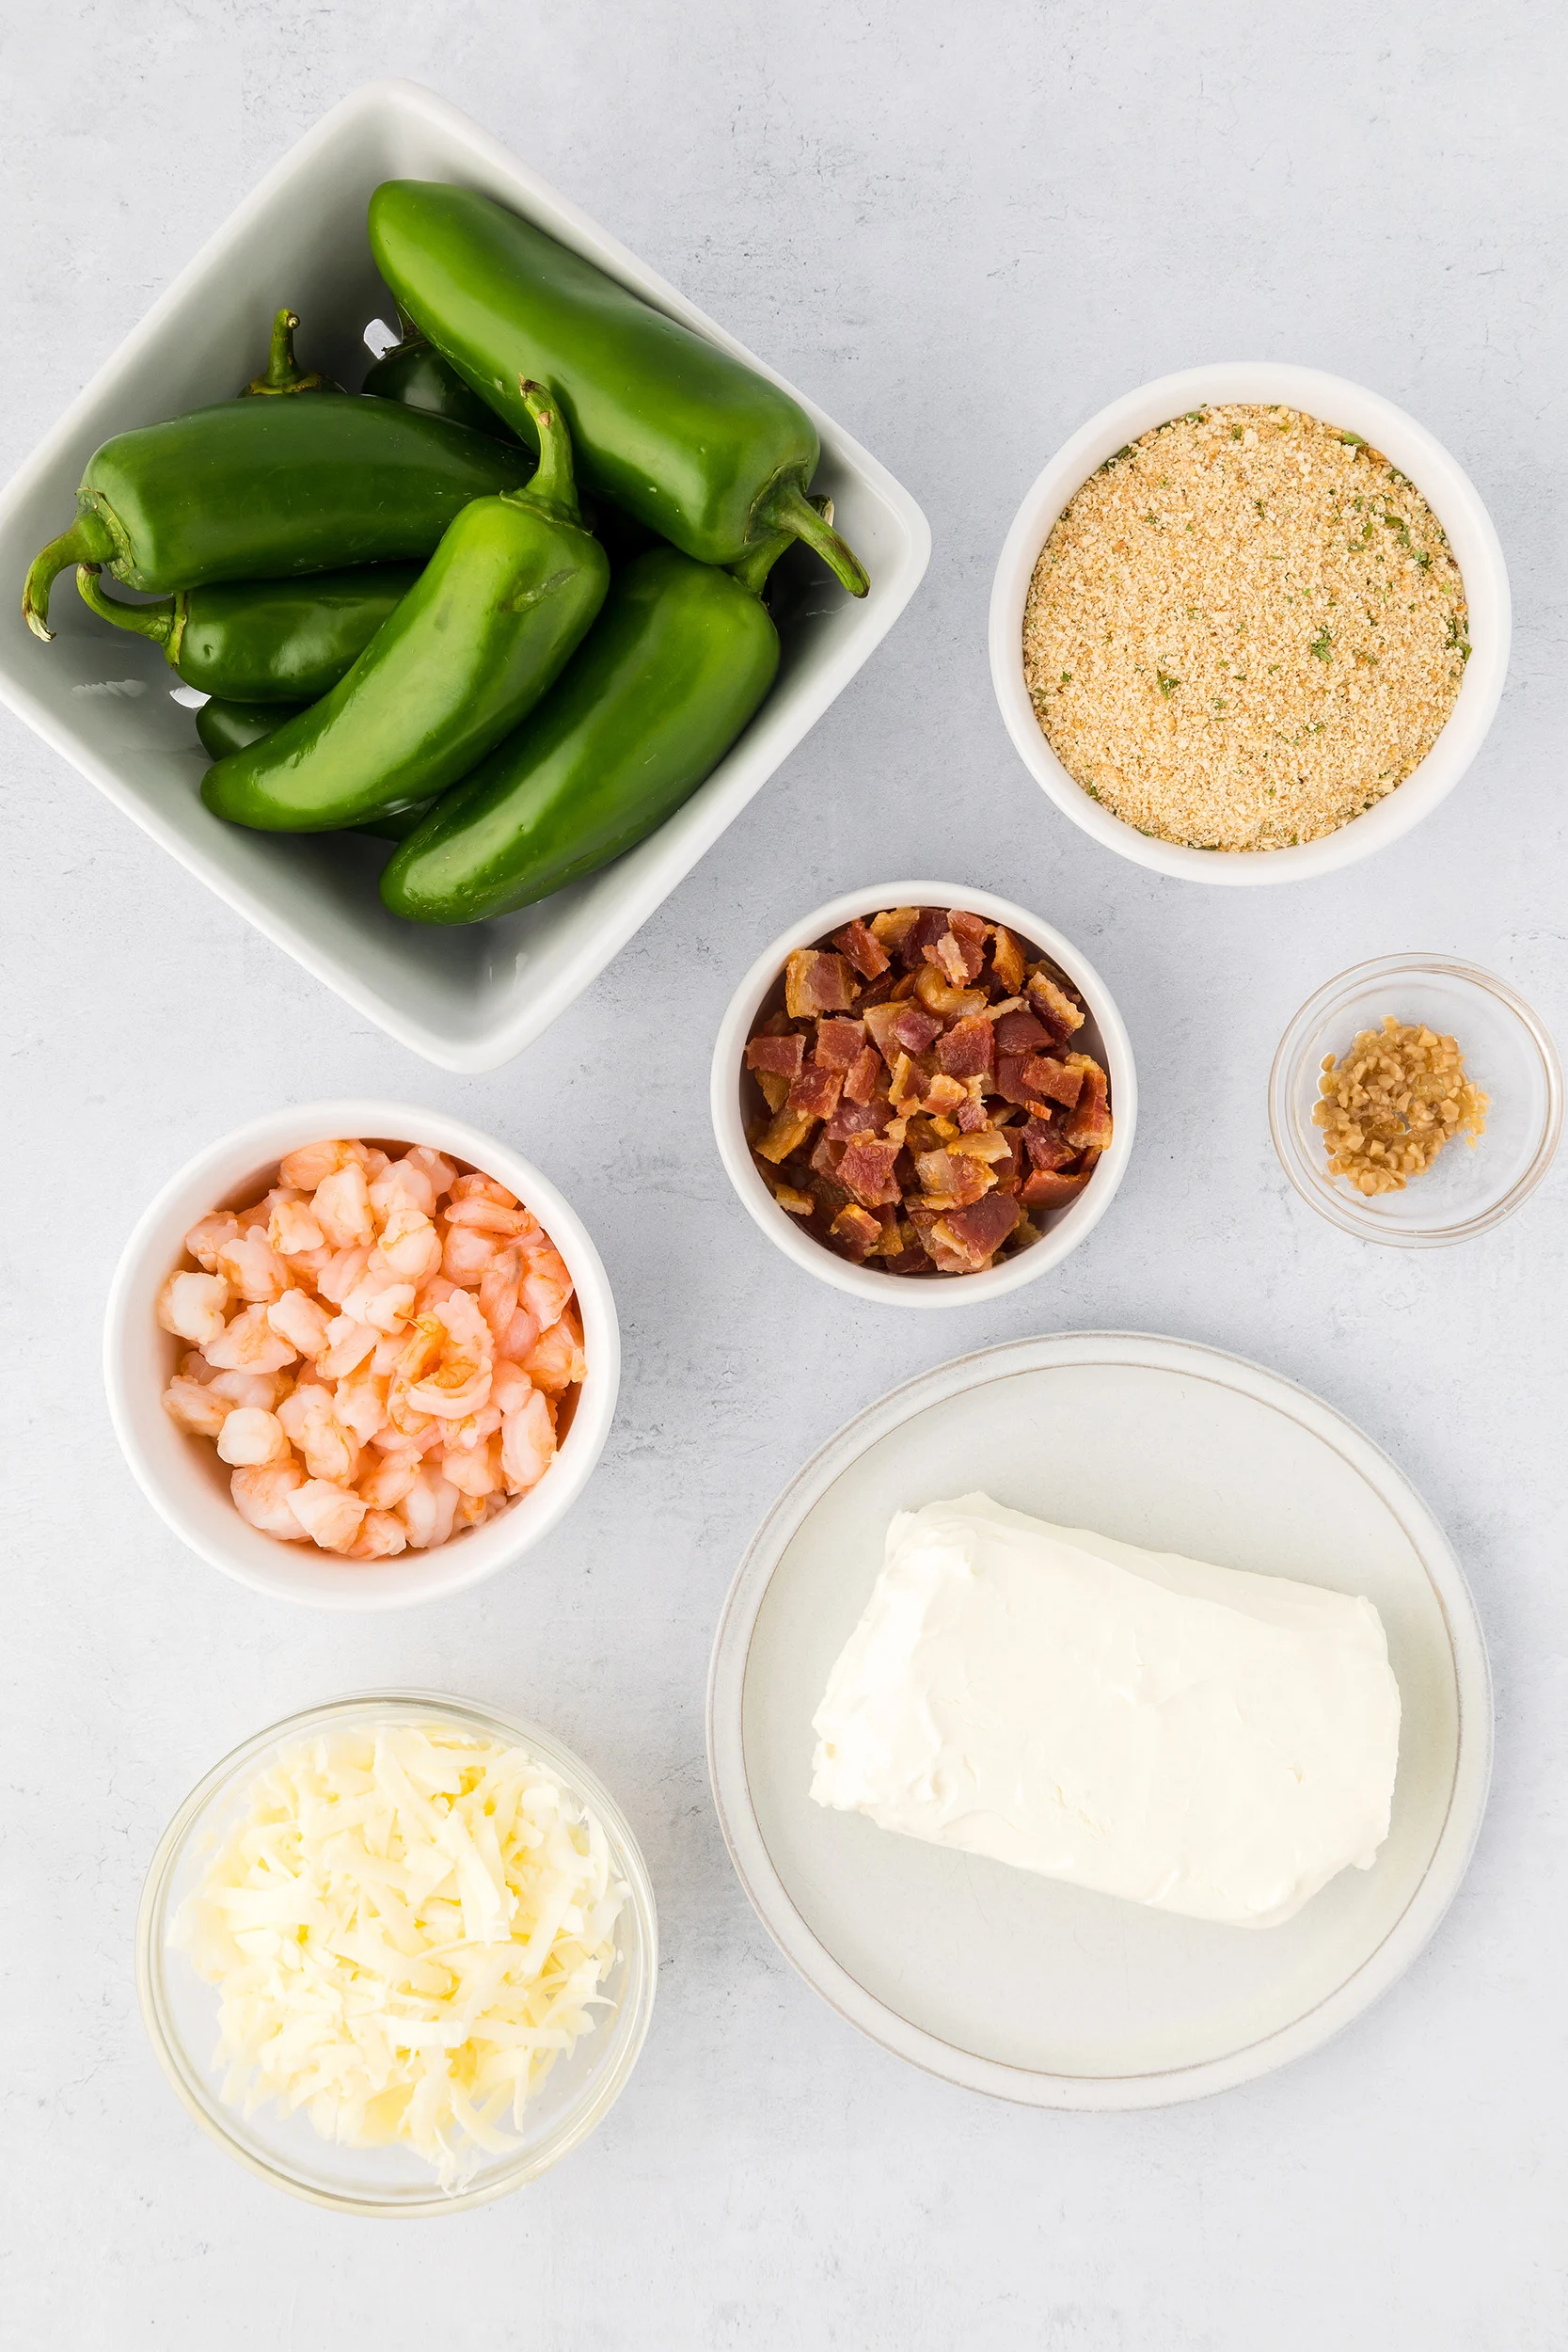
(397,1954)
(1416,1100)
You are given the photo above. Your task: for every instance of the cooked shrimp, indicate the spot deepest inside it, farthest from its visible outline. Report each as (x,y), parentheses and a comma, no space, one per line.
(329,1514)
(311,1426)
(384,1485)
(509,1388)
(485,1215)
(409,1248)
(340,1205)
(445,1368)
(208,1236)
(249,1344)
(382,1303)
(520,1336)
(196,1409)
(262,1495)
(528,1444)
(428,1508)
(360,1402)
(474,1428)
(190,1305)
(312,1164)
(474,1469)
(259,1391)
(441,1171)
(291,1228)
(556,1363)
(546,1285)
(252,1268)
(403,1185)
(348,1344)
(250,1437)
(346,1270)
(298,1317)
(466,1256)
(382,1537)
(497,1290)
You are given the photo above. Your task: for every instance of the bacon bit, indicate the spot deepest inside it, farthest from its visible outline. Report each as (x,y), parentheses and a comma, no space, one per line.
(1056,1009)
(1059,1081)
(945,1094)
(867,954)
(786,1132)
(923,932)
(915,1030)
(857,1229)
(815,982)
(949,1003)
(1046,1145)
(975,1116)
(879,1020)
(990,1146)
(867,1169)
(783,1056)
(1007,960)
(775,1091)
(796,1203)
(860,1118)
(1047,1189)
(971,932)
(951,1184)
(839,1044)
(878,991)
(1007,1005)
(893,929)
(1021,1033)
(827,1154)
(1012,1085)
(977,1231)
(906,1085)
(1088,1128)
(889,1243)
(950,955)
(860,1079)
(816,1091)
(966,1050)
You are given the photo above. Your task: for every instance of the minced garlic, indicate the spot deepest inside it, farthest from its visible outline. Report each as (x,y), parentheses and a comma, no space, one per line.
(1387,1107)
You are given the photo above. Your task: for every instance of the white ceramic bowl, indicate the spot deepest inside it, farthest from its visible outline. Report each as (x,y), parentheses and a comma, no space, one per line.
(181,1476)
(464,998)
(180,2010)
(1442,483)
(1104,1033)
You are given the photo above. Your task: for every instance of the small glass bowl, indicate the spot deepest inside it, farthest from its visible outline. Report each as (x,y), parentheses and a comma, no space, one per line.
(1507,1053)
(180,2010)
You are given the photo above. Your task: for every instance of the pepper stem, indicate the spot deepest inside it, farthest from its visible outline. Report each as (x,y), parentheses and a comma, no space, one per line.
(160,620)
(90,540)
(785,507)
(284,372)
(554,486)
(752,569)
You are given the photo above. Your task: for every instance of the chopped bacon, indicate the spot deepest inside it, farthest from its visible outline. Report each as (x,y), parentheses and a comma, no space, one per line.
(1088,1128)
(1049,1189)
(1011,1084)
(1021,1033)
(940,996)
(783,1056)
(1006,960)
(892,929)
(1009,1175)
(992,1145)
(827,1153)
(838,1043)
(1054,1007)
(945,1095)
(868,956)
(1046,1144)
(878,991)
(915,1028)
(975,1233)
(867,1169)
(970,930)
(926,928)
(1059,1081)
(794,1203)
(815,982)
(856,1231)
(860,1118)
(816,1091)
(975,1116)
(775,1091)
(860,1079)
(950,1182)
(965,1051)
(785,1133)
(879,1020)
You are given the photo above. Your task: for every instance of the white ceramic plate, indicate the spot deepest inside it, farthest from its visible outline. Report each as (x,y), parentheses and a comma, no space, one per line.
(1009,1983)
(466,996)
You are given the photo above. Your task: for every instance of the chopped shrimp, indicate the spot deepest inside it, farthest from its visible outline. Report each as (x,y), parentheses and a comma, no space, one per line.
(528,1444)
(440,1171)
(360,1402)
(249,1220)
(384,1485)
(509,1388)
(261,1496)
(300,1319)
(348,1344)
(556,1363)
(546,1285)
(190,1305)
(466,1256)
(403,1185)
(208,1236)
(194,1366)
(252,1268)
(291,1228)
(340,1205)
(487,1217)
(329,1514)
(474,1469)
(382,1537)
(311,1424)
(410,1247)
(387,1350)
(312,1164)
(423,1434)
(435,1292)
(428,1509)
(497,1291)
(474,1428)
(385,1305)
(521,1335)
(262,1391)
(347,1268)
(196,1409)
(249,1344)
(478,1188)
(446,1367)
(250,1437)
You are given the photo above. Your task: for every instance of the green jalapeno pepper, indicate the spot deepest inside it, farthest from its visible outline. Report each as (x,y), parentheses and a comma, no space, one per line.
(284,372)
(413,372)
(264,641)
(225,727)
(264,489)
(676,664)
(707,452)
(496,613)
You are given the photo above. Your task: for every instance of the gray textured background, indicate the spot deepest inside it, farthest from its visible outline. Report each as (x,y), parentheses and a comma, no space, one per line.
(963,229)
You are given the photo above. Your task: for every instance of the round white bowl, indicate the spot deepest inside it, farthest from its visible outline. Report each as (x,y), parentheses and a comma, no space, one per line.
(181,1476)
(180,2009)
(1105,1035)
(1448,491)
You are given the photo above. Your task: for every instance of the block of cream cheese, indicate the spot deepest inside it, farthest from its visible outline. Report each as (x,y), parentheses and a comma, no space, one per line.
(1204,1739)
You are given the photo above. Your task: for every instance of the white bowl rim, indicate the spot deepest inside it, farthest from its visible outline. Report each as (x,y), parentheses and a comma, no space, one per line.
(1074,1224)
(1340,1208)
(461,1561)
(1441,481)
(553,1752)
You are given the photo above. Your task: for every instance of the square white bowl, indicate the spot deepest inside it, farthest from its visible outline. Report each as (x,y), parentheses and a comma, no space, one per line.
(466,998)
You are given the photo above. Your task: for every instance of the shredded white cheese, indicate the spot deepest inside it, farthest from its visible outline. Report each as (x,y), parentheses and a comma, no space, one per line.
(406,1925)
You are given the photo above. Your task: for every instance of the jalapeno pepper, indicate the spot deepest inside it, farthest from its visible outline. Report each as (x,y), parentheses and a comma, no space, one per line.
(678,661)
(264,489)
(264,641)
(413,372)
(284,372)
(226,727)
(497,612)
(707,452)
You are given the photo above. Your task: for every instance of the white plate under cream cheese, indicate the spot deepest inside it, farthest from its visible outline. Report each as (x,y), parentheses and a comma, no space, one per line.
(1199,1739)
